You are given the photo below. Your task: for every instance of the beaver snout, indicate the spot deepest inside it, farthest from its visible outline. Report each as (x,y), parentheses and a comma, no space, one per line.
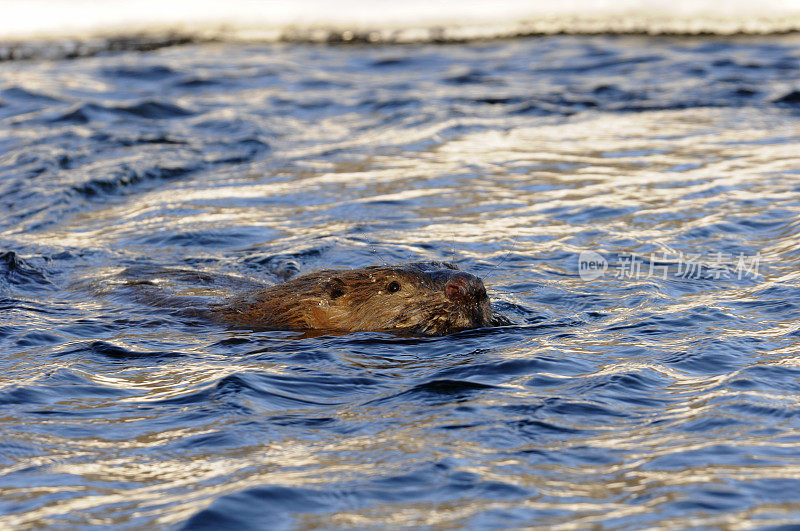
(465,288)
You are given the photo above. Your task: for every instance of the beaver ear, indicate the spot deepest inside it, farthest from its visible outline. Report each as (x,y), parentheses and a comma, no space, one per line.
(334,287)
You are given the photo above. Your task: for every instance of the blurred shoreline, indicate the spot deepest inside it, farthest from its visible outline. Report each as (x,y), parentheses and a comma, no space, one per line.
(57,29)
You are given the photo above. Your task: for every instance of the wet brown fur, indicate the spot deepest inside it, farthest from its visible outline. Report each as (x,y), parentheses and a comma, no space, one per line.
(428,298)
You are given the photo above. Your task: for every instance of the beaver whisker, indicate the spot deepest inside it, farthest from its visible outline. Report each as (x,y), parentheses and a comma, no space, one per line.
(513,245)
(508,291)
(379,255)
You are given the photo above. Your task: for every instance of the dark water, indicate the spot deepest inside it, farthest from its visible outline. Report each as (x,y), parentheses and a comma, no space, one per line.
(659,397)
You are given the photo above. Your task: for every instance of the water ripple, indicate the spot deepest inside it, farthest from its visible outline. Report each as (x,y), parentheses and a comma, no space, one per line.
(650,395)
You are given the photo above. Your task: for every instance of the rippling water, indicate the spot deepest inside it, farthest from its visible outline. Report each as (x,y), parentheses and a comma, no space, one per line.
(654,395)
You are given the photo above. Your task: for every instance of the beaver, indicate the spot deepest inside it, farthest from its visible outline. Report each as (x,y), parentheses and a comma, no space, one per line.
(421,298)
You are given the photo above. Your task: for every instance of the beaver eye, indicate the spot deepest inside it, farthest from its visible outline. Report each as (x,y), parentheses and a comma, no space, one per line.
(393,287)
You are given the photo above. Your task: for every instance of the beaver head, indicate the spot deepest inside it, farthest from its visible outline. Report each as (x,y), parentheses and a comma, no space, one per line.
(428,298)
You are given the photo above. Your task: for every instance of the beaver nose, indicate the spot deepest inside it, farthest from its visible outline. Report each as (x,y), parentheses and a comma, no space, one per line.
(464,287)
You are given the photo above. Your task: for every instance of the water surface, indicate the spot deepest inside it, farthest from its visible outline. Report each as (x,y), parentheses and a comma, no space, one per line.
(650,397)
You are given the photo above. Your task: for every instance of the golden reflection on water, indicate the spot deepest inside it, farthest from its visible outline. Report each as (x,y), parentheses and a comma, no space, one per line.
(189,484)
(503,187)
(619,161)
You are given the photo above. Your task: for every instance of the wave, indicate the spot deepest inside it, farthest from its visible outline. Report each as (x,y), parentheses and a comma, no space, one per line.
(75,28)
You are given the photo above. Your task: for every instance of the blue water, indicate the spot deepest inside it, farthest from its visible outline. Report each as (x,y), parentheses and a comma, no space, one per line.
(649,395)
